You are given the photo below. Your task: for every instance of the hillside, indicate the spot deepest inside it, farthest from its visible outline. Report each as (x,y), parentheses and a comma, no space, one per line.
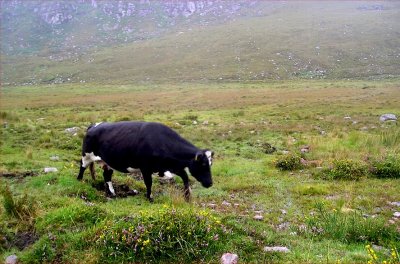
(174,41)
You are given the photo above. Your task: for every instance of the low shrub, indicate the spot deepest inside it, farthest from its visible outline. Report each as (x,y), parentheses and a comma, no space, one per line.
(349,227)
(345,169)
(386,168)
(289,162)
(169,234)
(24,208)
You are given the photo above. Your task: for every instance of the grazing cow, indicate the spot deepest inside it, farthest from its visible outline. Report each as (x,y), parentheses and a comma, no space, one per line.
(150,147)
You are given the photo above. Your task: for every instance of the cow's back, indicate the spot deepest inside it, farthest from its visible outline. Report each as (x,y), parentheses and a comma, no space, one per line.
(135,144)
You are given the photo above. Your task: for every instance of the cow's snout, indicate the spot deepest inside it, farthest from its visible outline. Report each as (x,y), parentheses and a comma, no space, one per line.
(207,184)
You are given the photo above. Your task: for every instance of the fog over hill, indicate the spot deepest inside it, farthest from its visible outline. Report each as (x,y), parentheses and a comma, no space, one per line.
(145,41)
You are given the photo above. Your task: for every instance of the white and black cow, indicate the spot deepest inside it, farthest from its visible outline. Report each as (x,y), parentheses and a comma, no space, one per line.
(150,147)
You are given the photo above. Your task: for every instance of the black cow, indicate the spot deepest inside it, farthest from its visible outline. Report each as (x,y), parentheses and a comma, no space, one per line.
(150,147)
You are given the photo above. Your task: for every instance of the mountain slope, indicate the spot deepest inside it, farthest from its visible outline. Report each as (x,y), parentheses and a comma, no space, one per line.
(286,40)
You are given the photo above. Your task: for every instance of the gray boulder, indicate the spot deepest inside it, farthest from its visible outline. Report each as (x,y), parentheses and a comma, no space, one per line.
(277,249)
(388,117)
(229,258)
(13,259)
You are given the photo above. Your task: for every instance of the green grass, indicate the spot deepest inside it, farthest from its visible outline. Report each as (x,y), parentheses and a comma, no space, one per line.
(236,120)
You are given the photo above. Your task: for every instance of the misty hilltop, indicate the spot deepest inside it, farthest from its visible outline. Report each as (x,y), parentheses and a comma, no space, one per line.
(141,41)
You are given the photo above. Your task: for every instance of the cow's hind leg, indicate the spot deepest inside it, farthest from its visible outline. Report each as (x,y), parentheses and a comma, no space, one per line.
(92,171)
(148,181)
(107,174)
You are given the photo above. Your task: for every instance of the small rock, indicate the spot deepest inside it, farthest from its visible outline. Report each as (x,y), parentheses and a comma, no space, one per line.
(347,118)
(277,249)
(225,203)
(212,205)
(50,169)
(396,214)
(205,123)
(55,158)
(322,132)
(194,122)
(387,117)
(229,258)
(258,217)
(283,226)
(72,130)
(305,149)
(13,259)
(395,203)
(283,211)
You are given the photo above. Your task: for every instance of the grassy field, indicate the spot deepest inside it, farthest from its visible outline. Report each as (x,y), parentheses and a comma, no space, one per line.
(326,207)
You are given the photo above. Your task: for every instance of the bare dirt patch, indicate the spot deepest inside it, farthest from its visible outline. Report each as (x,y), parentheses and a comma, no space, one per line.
(121,190)
(17,174)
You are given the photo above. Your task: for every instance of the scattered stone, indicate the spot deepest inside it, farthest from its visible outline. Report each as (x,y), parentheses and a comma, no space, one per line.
(283,226)
(277,249)
(225,203)
(50,169)
(283,211)
(258,217)
(347,118)
(305,149)
(229,258)
(236,204)
(194,122)
(13,259)
(72,130)
(205,123)
(212,205)
(392,222)
(322,132)
(396,214)
(395,203)
(55,158)
(387,117)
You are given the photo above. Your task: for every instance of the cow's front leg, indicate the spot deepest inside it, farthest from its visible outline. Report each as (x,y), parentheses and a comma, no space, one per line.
(185,179)
(81,171)
(148,181)
(107,174)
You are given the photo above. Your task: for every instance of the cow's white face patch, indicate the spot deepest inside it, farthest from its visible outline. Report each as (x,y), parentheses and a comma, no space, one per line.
(89,158)
(110,187)
(209,156)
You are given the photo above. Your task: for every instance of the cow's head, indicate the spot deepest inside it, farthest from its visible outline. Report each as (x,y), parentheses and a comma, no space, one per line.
(200,167)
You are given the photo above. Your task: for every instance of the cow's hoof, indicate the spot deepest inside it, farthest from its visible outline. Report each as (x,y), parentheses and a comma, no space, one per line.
(151,200)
